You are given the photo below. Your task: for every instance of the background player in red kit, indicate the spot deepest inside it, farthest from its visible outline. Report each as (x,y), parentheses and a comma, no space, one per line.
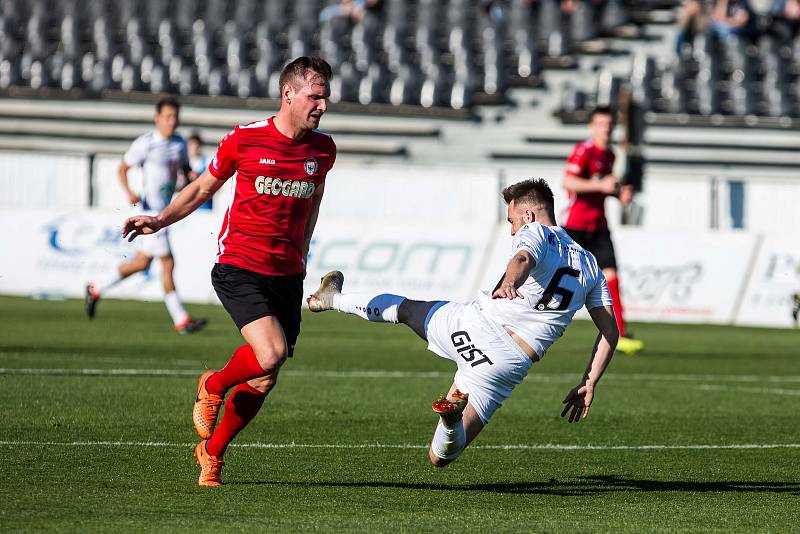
(280,165)
(589,179)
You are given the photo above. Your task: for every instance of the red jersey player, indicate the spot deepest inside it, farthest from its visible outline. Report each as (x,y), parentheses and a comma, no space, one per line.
(280,165)
(589,179)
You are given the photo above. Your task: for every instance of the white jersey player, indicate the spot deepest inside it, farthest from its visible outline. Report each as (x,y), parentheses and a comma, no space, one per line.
(163,158)
(496,338)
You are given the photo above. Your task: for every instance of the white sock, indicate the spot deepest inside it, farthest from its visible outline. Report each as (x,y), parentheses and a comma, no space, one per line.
(175,308)
(108,282)
(449,441)
(376,308)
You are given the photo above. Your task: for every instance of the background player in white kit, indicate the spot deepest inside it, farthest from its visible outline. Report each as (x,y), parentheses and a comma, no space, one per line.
(162,155)
(496,338)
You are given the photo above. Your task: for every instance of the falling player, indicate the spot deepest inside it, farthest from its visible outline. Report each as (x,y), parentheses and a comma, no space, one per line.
(496,338)
(589,180)
(162,155)
(280,165)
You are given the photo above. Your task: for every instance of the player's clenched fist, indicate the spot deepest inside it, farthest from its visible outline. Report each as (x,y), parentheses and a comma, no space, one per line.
(139,225)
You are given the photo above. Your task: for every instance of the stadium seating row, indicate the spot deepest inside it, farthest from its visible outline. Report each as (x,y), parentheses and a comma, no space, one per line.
(710,76)
(451,53)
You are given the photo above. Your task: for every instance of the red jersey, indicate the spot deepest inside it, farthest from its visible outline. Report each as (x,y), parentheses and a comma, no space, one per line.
(586,211)
(275,178)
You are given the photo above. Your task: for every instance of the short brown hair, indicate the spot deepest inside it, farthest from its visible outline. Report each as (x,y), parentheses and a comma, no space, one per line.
(300,67)
(167,101)
(534,190)
(602,110)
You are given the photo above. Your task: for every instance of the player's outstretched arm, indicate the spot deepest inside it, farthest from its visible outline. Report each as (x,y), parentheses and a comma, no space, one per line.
(578,400)
(575,184)
(189,199)
(517,271)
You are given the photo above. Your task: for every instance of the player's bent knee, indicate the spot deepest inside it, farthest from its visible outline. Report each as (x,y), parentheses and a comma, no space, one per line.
(273,358)
(142,263)
(438,462)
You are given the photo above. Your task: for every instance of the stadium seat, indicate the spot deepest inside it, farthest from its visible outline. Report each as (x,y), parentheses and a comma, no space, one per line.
(451,53)
(405,88)
(582,20)
(218,81)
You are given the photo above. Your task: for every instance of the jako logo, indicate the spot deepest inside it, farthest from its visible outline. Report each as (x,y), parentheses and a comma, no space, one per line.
(266,161)
(266,185)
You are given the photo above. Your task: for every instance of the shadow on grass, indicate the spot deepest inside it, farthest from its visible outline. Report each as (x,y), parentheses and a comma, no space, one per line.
(582,487)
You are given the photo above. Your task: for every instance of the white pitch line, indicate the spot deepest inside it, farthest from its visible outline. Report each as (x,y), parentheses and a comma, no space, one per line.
(534,376)
(769,391)
(524,447)
(195,373)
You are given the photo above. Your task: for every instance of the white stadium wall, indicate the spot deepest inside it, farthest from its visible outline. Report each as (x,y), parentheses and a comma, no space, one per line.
(422,232)
(774,278)
(35,181)
(56,252)
(682,277)
(423,262)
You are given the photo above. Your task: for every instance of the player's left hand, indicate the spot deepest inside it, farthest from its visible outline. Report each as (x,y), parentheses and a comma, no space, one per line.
(139,225)
(577,402)
(506,291)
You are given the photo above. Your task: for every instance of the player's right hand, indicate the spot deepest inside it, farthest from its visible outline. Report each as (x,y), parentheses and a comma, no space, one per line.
(506,291)
(133,198)
(139,225)
(608,184)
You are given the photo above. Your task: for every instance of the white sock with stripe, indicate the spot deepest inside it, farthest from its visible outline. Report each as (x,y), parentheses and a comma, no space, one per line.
(108,282)
(175,308)
(380,308)
(449,440)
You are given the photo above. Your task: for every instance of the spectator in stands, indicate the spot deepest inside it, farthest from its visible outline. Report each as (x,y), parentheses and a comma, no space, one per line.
(568,7)
(786,18)
(731,17)
(693,18)
(354,9)
(496,10)
(198,161)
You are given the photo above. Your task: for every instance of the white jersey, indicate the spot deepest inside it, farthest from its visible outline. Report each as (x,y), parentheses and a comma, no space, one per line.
(565,278)
(161,160)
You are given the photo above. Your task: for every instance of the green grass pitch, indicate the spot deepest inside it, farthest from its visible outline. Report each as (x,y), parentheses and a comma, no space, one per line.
(699,433)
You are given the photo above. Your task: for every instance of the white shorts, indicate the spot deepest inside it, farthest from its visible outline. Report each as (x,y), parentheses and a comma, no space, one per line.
(154,245)
(490,364)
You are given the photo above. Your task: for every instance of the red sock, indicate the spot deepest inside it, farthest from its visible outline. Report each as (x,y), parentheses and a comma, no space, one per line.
(613,288)
(242,366)
(243,404)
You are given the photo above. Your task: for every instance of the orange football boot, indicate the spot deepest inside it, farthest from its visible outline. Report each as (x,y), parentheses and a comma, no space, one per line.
(451,404)
(210,466)
(206,408)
